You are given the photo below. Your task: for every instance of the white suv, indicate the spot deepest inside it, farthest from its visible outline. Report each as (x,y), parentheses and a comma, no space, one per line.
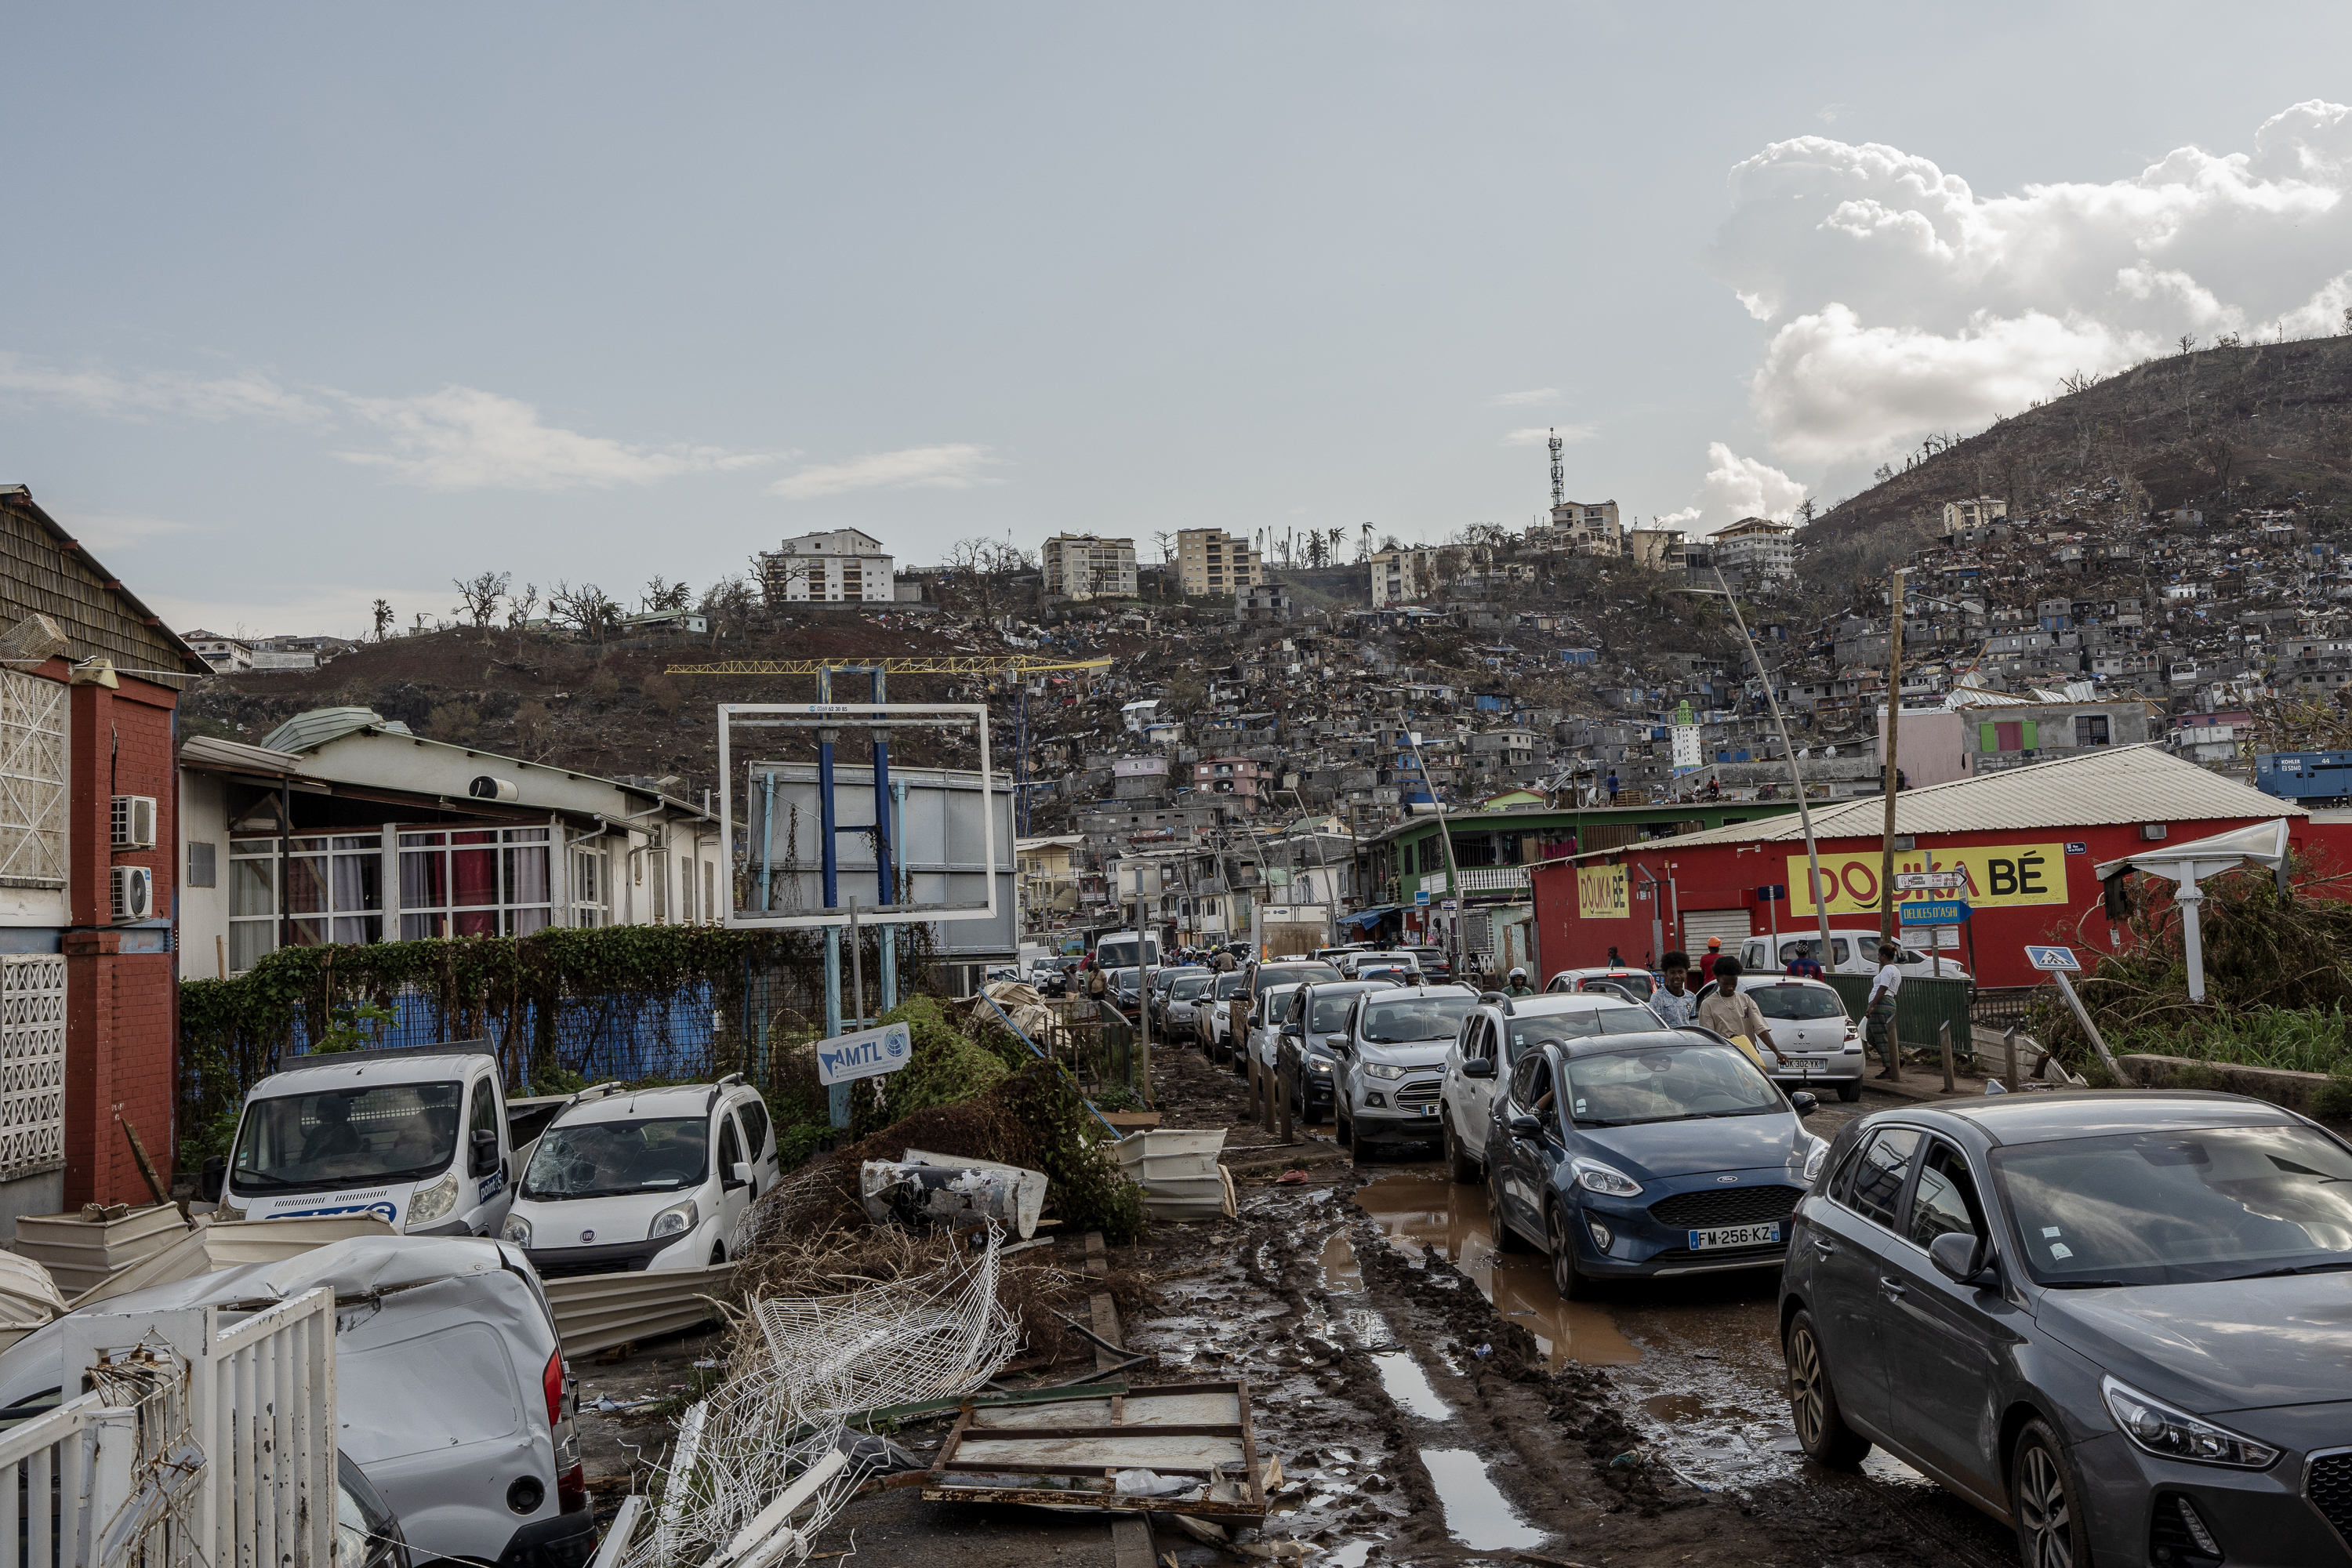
(1488,1046)
(630,1179)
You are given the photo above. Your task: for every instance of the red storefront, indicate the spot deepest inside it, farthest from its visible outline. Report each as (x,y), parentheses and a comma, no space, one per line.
(2024,842)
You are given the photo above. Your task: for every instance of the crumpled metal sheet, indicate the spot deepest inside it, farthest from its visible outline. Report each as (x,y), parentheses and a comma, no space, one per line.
(922,1197)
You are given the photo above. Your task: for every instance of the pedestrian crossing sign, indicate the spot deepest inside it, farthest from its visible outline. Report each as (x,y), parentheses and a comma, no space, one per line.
(2052,958)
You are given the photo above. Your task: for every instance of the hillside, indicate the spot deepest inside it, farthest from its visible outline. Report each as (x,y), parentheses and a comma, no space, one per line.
(2254,426)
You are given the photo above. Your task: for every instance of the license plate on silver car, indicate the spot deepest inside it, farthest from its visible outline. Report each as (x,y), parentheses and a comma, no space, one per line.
(1735,1235)
(1806,1064)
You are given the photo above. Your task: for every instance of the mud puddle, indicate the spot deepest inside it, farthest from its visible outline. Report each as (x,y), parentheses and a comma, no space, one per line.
(1477,1514)
(1418,1208)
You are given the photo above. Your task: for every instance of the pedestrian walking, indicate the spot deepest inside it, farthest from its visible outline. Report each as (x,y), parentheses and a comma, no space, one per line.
(1678,1004)
(1805,967)
(1880,1011)
(1714,956)
(1733,1013)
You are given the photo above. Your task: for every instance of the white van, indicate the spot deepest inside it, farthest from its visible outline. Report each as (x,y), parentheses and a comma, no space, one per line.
(1853,950)
(416,1137)
(1125,950)
(632,1179)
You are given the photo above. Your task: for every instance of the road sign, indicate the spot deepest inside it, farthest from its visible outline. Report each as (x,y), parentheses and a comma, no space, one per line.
(1421,896)
(1929,881)
(1448,906)
(1942,912)
(1772,893)
(2052,958)
(869,1053)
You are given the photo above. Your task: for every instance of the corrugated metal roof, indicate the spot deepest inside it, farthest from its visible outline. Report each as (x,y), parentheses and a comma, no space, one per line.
(308,732)
(2107,785)
(211,751)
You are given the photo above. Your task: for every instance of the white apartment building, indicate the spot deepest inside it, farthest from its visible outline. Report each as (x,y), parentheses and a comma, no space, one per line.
(1587,527)
(1083,566)
(843,566)
(1958,514)
(225,655)
(1400,576)
(1659,548)
(1211,561)
(1758,549)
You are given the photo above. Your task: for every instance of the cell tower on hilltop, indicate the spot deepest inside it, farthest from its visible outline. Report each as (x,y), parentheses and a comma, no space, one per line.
(1558,480)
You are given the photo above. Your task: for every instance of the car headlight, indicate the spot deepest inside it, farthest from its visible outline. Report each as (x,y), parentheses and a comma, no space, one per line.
(1384,1070)
(2170,1434)
(1594,1176)
(517,1230)
(432,1202)
(674,1220)
(1318,1064)
(1813,1158)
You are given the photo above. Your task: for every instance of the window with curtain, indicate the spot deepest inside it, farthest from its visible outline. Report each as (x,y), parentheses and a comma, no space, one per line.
(479,881)
(332,891)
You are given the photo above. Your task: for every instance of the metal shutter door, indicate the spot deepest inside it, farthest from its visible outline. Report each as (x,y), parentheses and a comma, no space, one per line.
(1698,925)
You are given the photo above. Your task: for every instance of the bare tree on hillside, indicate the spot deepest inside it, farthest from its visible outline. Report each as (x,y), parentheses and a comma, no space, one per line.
(585,608)
(727,604)
(662,595)
(520,605)
(481,595)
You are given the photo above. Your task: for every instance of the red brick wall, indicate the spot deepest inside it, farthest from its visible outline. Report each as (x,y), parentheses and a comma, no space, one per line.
(121,1037)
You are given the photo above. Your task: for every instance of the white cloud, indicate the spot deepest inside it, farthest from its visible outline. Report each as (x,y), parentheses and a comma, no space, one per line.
(1538,437)
(463,438)
(1514,399)
(1738,486)
(246,394)
(1831,113)
(1905,301)
(953,466)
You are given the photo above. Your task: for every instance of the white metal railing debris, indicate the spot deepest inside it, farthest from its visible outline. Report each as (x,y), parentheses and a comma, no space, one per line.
(200,1446)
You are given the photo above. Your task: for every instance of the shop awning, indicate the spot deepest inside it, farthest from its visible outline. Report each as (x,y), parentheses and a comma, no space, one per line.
(1369,917)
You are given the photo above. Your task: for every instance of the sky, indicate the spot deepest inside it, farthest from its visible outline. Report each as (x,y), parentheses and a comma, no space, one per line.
(302,306)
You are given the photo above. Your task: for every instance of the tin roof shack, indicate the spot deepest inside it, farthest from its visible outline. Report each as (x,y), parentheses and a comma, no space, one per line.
(342,826)
(89,857)
(2025,840)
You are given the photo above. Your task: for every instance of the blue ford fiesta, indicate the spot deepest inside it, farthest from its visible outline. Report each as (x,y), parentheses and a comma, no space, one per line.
(1640,1157)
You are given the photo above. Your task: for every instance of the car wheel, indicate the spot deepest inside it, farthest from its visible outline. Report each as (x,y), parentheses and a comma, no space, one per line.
(2050,1529)
(1571,1285)
(718,1253)
(1458,1163)
(1506,1238)
(1822,1430)
(1358,1154)
(1850,1092)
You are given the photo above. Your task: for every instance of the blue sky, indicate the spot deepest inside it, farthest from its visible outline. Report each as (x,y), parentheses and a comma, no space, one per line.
(302,306)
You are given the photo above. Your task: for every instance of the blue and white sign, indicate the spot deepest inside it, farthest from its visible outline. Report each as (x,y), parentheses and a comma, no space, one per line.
(1421,896)
(2052,958)
(1936,912)
(869,1053)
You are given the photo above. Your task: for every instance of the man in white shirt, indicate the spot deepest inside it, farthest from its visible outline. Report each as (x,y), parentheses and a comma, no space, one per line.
(1880,1010)
(1674,1001)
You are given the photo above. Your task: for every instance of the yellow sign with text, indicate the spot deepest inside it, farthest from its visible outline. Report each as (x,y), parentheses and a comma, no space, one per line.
(1601,893)
(1994,876)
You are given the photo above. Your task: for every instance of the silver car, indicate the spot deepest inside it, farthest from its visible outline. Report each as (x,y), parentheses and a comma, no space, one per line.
(1809,1022)
(1394,1061)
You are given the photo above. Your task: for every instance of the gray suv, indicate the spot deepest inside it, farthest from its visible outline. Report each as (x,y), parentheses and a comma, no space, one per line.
(1311,1044)
(1395,1062)
(2112,1318)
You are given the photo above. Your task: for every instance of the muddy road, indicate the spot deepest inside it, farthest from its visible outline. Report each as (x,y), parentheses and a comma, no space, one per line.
(1434,1401)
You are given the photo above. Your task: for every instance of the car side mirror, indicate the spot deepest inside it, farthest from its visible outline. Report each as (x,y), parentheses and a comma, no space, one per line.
(1478,1067)
(1526,1127)
(1291,1029)
(215,1176)
(1804,1104)
(485,1158)
(1959,1256)
(741,1172)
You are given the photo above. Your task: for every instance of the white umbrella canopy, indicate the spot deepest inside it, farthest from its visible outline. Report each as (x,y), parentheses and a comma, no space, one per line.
(2263,843)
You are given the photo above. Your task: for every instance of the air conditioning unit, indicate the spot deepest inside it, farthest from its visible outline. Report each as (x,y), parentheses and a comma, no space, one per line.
(134,822)
(135,893)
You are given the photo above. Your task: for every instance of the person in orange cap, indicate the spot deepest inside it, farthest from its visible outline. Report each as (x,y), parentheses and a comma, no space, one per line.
(1707,964)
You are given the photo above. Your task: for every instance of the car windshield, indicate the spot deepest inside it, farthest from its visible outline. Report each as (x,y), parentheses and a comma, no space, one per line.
(1624,1089)
(1330,1013)
(1798,1002)
(389,1132)
(1415,1018)
(1230,984)
(1579,1025)
(608,1159)
(1187,986)
(1276,1002)
(1124,978)
(1295,975)
(2156,1208)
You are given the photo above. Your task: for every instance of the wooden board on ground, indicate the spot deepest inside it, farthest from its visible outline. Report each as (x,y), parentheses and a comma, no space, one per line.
(1070,1451)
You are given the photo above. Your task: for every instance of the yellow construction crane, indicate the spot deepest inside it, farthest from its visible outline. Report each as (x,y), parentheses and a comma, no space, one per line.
(957,666)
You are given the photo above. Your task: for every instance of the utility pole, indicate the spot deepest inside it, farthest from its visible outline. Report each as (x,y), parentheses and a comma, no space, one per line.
(1893,711)
(1453,872)
(1804,811)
